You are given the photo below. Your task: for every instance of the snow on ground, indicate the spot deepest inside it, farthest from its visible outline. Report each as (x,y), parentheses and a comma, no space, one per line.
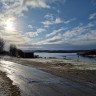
(4,90)
(77,64)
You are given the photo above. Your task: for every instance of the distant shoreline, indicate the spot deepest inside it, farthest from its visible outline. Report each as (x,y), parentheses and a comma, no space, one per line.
(58,51)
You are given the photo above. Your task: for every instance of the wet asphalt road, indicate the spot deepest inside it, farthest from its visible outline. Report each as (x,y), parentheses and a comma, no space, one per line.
(34,82)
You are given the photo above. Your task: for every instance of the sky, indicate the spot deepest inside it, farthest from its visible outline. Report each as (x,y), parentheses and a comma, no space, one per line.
(48,24)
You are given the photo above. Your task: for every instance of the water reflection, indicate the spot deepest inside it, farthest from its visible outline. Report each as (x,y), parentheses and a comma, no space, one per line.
(70,56)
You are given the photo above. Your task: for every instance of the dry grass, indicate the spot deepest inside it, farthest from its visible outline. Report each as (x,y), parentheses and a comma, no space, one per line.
(65,70)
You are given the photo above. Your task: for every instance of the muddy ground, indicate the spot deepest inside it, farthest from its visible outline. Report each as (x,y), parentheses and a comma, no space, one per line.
(73,70)
(6,86)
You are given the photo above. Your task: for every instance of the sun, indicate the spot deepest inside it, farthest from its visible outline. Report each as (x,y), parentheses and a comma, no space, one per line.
(9,25)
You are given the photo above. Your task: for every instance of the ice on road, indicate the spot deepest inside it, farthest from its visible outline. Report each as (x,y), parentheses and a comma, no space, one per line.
(34,82)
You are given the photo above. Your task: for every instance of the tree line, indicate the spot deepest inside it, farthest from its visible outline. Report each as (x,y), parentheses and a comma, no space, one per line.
(12,49)
(2,43)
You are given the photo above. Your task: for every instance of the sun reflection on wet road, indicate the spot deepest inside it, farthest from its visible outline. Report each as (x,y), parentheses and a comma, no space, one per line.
(34,82)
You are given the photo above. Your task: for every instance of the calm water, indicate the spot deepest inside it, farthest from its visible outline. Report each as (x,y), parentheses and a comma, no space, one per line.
(70,56)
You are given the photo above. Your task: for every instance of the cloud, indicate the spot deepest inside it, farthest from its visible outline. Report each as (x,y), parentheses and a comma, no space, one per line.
(27,46)
(78,36)
(39,3)
(49,16)
(81,41)
(92,16)
(13,37)
(14,8)
(90,36)
(55,32)
(76,31)
(50,20)
(11,8)
(58,20)
(30,26)
(68,21)
(34,34)
(75,36)
(35,3)
(53,40)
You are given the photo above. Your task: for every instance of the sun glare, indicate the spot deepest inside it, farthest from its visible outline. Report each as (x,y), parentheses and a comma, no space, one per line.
(9,25)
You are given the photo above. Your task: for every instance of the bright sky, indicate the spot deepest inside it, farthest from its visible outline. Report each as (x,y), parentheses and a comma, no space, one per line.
(49,24)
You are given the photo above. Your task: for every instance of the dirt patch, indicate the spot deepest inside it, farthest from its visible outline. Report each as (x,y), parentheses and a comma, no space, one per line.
(62,69)
(6,87)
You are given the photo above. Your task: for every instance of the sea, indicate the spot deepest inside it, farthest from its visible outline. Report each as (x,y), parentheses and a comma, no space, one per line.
(69,56)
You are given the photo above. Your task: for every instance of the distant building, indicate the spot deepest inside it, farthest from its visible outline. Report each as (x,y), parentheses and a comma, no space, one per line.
(25,54)
(29,55)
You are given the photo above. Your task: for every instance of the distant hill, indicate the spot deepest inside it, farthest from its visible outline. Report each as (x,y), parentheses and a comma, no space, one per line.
(90,53)
(59,51)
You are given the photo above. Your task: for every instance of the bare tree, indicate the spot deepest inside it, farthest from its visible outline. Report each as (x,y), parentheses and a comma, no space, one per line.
(2,43)
(13,50)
